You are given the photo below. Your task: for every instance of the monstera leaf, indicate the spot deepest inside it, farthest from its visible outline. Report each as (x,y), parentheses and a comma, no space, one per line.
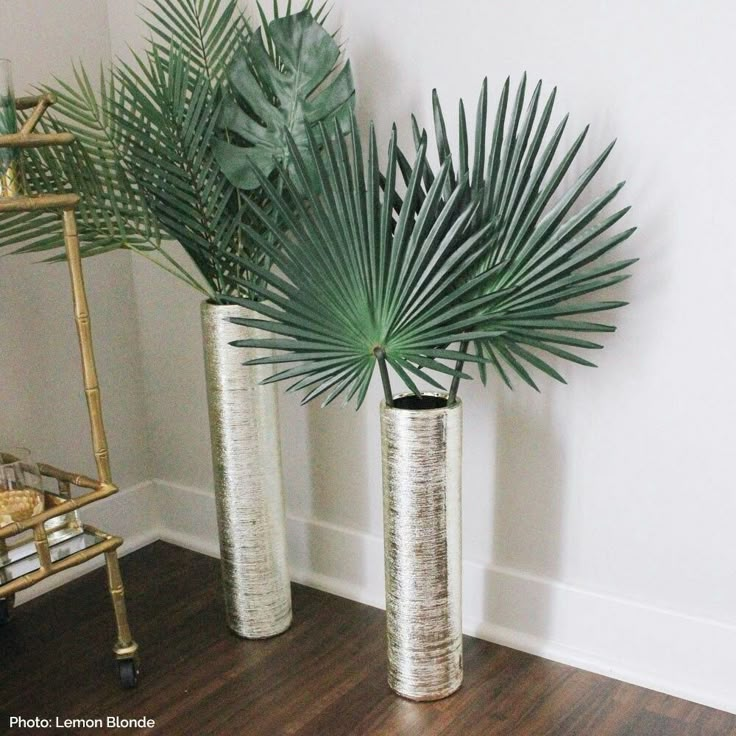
(276,101)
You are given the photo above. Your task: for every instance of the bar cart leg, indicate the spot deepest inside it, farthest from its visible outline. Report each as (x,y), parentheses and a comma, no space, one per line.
(125,649)
(6,609)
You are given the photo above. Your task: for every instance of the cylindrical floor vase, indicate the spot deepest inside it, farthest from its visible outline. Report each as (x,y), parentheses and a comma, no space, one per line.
(421,439)
(247,469)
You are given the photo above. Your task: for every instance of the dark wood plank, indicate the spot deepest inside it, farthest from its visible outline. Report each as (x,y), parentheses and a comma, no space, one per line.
(326,676)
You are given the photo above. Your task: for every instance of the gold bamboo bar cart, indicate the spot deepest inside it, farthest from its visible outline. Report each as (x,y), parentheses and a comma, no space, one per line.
(59,539)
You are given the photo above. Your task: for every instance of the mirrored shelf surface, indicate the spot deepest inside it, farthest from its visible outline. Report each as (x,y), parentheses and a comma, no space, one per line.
(25,560)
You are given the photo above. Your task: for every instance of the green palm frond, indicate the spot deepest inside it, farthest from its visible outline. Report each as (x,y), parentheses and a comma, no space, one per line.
(208,32)
(117,208)
(282,85)
(168,117)
(548,235)
(112,213)
(143,160)
(351,283)
(205,32)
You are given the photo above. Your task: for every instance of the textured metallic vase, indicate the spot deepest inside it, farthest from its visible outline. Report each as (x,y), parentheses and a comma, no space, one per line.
(422,451)
(248,491)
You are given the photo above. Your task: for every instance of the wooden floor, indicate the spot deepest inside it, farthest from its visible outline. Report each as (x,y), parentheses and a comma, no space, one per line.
(326,676)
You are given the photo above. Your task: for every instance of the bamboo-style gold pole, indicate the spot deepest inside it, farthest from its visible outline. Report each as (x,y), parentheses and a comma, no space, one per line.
(42,547)
(124,647)
(25,103)
(36,140)
(41,105)
(82,481)
(41,202)
(84,330)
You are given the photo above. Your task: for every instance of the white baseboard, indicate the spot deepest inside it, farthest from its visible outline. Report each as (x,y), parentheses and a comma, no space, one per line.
(186,517)
(674,653)
(668,651)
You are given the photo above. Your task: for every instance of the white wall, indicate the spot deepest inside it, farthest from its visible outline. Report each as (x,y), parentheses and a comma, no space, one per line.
(620,482)
(598,517)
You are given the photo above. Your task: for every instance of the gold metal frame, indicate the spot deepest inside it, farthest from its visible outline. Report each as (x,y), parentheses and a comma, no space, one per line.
(125,647)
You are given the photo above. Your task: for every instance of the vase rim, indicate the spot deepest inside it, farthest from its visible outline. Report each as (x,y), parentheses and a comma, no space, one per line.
(209,304)
(420,410)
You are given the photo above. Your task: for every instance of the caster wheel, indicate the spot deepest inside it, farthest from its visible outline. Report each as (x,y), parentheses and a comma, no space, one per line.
(128,673)
(6,609)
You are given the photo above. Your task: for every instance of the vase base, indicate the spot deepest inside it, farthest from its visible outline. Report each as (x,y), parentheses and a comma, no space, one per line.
(277,630)
(428,697)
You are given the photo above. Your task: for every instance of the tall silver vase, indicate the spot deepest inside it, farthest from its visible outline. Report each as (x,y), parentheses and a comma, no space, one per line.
(247,469)
(422,449)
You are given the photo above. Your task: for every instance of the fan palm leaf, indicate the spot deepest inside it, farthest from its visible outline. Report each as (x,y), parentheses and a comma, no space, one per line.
(352,283)
(548,235)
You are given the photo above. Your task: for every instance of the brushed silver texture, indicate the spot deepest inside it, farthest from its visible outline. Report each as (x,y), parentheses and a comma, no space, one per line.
(421,452)
(247,468)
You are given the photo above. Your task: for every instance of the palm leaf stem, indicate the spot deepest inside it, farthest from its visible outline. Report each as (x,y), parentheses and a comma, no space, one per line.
(455,385)
(385,380)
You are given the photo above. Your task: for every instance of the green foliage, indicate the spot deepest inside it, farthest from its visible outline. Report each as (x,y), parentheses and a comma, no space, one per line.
(351,279)
(144,159)
(113,212)
(280,91)
(549,253)
(169,114)
(494,252)
(205,32)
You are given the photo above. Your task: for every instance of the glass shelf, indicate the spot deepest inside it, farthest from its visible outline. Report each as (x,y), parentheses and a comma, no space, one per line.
(23,559)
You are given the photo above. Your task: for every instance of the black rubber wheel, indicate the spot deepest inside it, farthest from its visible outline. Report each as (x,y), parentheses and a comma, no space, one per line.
(6,609)
(128,673)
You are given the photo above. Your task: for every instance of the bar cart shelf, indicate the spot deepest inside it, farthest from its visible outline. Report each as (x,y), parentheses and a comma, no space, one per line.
(55,539)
